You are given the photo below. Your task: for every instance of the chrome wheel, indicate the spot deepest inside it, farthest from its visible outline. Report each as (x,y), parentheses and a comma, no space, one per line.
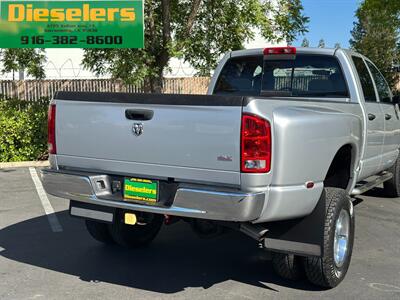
(341,241)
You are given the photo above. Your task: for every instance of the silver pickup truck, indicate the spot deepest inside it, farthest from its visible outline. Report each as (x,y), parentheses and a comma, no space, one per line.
(276,149)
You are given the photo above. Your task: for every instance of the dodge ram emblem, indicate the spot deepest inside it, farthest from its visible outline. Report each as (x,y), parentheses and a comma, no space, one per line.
(137,129)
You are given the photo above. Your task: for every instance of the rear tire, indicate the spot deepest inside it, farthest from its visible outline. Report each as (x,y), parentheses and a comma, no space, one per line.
(392,186)
(139,235)
(288,266)
(330,269)
(99,231)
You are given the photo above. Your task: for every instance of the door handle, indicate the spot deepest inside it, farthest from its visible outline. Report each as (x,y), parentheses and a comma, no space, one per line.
(371,117)
(139,114)
(388,117)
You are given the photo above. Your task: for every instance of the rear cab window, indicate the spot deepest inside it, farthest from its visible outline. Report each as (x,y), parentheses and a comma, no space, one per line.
(241,76)
(308,75)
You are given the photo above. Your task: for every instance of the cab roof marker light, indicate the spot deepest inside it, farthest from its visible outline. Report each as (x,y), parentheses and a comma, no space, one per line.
(280,51)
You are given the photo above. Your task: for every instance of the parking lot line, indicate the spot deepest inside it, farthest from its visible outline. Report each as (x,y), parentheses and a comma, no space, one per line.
(53,220)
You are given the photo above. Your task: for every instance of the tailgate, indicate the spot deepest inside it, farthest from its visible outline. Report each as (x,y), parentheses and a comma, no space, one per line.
(189,138)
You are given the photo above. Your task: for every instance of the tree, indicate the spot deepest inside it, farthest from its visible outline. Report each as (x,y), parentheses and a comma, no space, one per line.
(305,43)
(321,43)
(376,35)
(30,60)
(198,32)
(337,46)
(392,8)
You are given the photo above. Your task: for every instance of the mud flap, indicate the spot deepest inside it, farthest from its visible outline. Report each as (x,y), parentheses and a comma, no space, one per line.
(304,236)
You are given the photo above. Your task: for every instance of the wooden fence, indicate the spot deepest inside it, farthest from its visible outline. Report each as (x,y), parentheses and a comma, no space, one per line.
(35,90)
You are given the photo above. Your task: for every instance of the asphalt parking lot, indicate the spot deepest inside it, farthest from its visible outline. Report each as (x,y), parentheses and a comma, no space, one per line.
(42,260)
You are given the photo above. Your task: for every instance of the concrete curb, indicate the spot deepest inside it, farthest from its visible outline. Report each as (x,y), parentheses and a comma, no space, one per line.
(24,164)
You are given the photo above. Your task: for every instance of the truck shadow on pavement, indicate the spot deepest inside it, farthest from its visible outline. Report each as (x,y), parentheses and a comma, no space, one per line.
(7,170)
(176,260)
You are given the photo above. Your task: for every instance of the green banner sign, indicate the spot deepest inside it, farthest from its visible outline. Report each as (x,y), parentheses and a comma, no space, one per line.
(71,24)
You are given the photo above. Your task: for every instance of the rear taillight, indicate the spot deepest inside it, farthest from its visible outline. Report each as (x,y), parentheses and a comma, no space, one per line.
(51,127)
(256,144)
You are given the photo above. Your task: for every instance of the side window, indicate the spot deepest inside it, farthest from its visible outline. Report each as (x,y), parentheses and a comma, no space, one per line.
(365,78)
(241,76)
(381,84)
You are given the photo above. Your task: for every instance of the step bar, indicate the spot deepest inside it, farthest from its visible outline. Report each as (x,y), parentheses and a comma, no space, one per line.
(370,184)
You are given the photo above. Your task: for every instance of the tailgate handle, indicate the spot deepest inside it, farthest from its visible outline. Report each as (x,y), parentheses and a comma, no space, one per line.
(139,114)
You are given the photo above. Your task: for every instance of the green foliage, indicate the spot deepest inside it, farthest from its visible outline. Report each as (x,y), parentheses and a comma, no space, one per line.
(23,130)
(305,43)
(391,7)
(376,35)
(199,32)
(30,60)
(321,43)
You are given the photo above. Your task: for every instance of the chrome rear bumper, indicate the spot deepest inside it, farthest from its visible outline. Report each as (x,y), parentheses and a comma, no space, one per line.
(199,203)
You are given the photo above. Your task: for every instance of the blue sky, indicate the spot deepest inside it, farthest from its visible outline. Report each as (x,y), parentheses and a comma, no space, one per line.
(331,20)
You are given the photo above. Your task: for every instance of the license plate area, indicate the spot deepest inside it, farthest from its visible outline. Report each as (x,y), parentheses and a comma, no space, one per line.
(142,190)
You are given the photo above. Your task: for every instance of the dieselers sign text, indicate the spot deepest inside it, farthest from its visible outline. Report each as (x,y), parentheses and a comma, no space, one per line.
(71,24)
